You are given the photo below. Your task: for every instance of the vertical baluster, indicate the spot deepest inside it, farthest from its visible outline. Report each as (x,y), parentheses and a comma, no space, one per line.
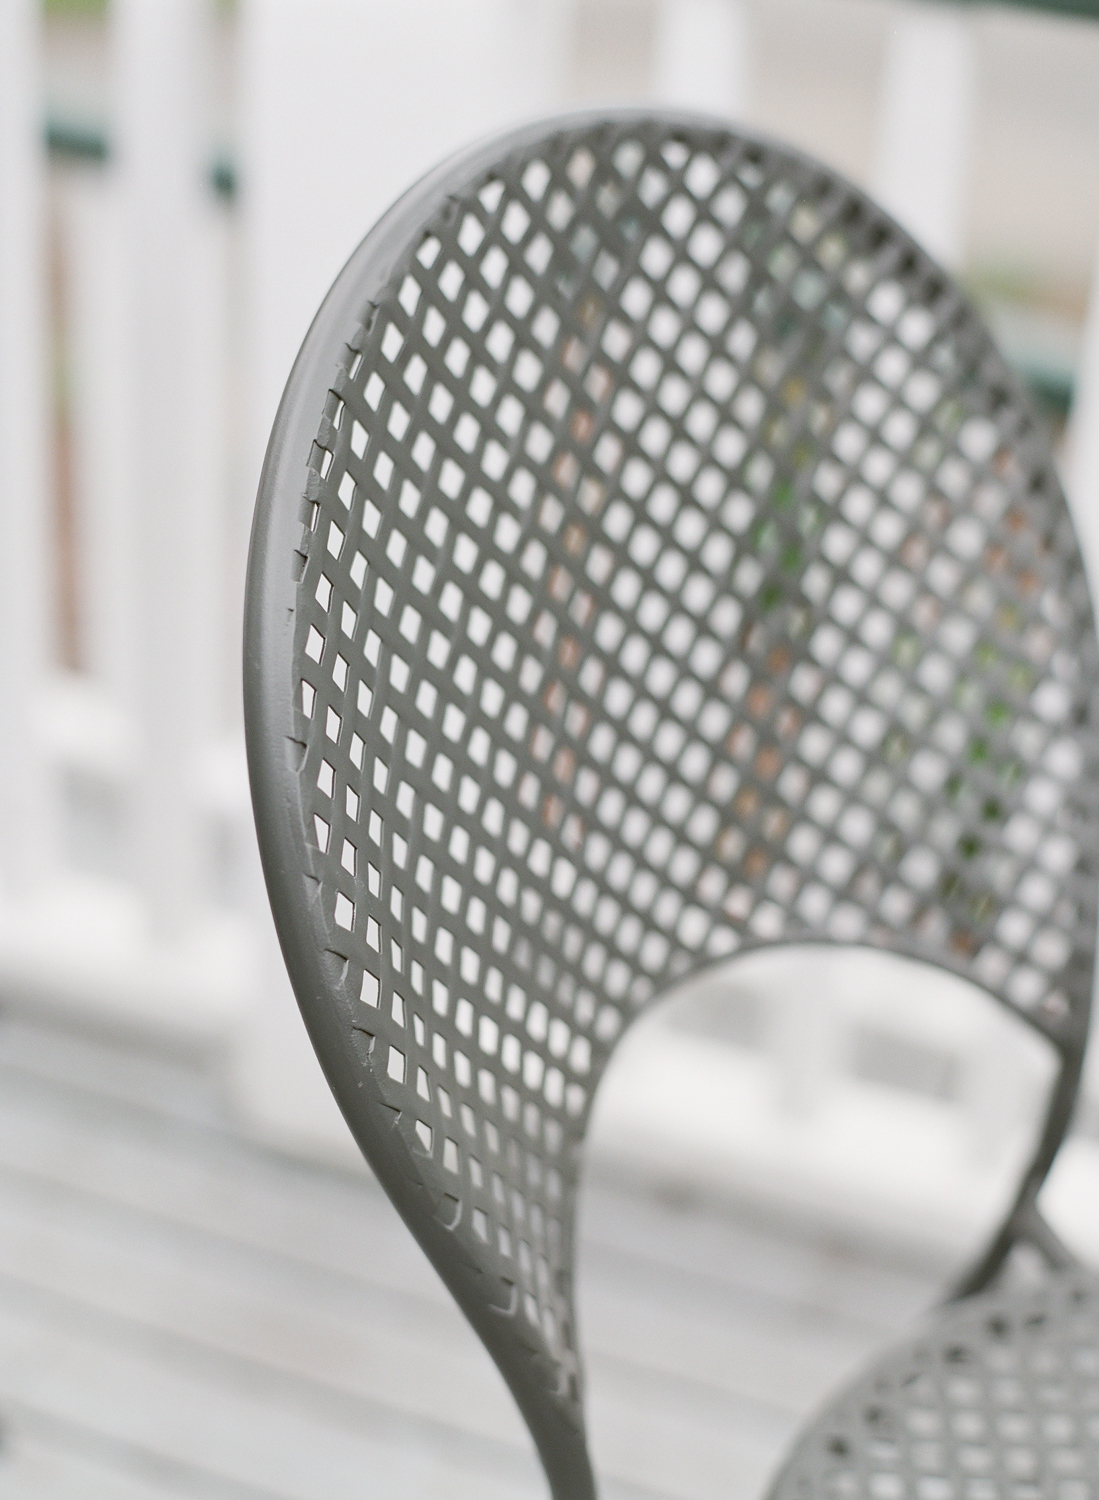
(345,104)
(97,300)
(213,636)
(27,793)
(701,56)
(160,57)
(998,1086)
(928,92)
(1082,446)
(804,1029)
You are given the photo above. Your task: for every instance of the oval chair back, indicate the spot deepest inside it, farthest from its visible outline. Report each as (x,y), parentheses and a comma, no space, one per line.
(654,560)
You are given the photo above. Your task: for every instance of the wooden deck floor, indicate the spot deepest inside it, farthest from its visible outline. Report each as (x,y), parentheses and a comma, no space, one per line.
(184,1312)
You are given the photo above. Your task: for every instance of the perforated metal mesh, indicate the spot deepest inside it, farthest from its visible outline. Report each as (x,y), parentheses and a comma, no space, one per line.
(999,1400)
(681,571)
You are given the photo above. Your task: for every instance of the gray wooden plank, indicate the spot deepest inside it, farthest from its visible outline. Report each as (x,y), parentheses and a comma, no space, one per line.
(687,1442)
(150,1240)
(115,1067)
(45,1457)
(219,1183)
(691,1329)
(228,1438)
(33,1470)
(881,1285)
(271,1332)
(263,1318)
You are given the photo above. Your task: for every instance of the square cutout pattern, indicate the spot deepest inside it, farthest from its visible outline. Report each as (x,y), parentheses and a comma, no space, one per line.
(681,571)
(999,1400)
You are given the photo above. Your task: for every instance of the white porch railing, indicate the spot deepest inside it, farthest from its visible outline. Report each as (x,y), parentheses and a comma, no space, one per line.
(130,887)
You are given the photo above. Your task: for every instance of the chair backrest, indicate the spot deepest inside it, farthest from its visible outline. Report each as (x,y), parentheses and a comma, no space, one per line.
(654,560)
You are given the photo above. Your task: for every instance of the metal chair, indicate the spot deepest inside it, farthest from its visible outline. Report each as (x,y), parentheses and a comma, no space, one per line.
(655,560)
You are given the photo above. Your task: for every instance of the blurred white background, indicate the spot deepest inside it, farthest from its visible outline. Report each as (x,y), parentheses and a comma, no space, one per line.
(180,182)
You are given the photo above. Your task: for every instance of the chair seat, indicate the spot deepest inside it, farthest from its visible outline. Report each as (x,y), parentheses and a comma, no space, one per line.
(996,1398)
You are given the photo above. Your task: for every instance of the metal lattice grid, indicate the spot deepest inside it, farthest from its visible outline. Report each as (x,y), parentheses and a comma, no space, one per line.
(998,1400)
(680,571)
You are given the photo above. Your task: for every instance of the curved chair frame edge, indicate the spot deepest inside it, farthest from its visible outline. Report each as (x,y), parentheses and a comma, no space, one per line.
(269,618)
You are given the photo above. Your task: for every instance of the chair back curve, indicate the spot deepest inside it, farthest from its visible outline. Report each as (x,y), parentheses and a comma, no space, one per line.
(654,559)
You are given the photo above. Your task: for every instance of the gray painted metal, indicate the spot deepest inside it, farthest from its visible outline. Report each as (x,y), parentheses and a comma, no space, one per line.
(654,560)
(996,1398)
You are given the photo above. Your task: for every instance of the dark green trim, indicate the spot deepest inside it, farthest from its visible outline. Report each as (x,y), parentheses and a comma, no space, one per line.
(85,143)
(1052,388)
(1087,10)
(77,142)
(96,8)
(70,141)
(223,177)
